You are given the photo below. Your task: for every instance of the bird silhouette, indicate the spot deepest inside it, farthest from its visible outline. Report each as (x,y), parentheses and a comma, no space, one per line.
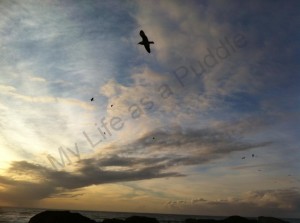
(92,99)
(145,41)
(243,158)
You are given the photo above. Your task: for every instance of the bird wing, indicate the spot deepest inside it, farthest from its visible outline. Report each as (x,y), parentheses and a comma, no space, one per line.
(147,47)
(143,35)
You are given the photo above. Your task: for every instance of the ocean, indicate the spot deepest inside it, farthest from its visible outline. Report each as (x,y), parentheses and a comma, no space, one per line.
(22,215)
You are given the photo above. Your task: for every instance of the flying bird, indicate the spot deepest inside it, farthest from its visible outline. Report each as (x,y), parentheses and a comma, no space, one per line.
(92,99)
(243,158)
(145,41)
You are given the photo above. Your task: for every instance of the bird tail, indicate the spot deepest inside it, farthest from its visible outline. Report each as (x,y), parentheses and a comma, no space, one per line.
(151,42)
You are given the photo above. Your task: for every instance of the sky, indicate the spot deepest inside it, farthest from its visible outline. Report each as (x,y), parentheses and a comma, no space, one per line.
(206,124)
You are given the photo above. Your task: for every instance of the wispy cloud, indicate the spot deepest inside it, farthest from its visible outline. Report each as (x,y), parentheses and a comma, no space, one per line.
(137,161)
(282,202)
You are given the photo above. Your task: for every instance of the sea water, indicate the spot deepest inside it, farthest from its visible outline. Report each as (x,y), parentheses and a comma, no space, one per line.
(23,215)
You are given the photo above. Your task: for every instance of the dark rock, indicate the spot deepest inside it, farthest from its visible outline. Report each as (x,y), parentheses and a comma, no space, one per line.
(262,219)
(191,220)
(114,220)
(232,219)
(238,219)
(141,219)
(60,217)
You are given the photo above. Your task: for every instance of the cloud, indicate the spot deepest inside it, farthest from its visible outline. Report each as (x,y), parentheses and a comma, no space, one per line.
(38,79)
(45,182)
(11,91)
(196,27)
(280,203)
(190,147)
(7,88)
(146,158)
(52,64)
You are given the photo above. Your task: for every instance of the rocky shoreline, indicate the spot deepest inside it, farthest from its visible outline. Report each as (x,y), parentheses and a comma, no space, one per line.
(71,217)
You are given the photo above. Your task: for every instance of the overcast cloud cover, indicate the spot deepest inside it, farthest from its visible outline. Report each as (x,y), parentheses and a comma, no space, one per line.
(176,132)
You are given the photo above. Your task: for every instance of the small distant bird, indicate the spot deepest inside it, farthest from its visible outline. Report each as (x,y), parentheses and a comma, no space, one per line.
(243,158)
(153,138)
(111,106)
(92,99)
(145,41)
(252,155)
